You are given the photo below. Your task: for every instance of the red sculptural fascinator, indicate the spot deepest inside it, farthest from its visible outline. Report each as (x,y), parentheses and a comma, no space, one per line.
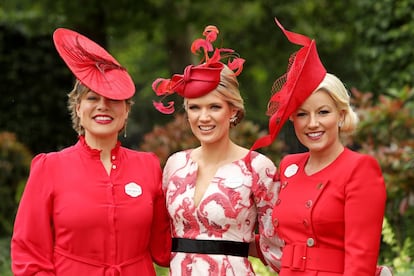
(198,80)
(304,74)
(93,66)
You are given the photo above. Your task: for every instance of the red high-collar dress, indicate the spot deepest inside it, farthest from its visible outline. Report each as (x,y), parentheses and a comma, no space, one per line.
(331,221)
(75,219)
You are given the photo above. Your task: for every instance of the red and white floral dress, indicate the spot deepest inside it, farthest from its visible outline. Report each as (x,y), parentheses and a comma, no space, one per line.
(237,200)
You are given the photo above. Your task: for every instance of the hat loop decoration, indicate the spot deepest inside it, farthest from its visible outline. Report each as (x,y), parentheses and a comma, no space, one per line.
(93,66)
(304,73)
(198,80)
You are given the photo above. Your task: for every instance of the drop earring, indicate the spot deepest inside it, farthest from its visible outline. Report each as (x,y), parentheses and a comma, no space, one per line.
(125,130)
(233,119)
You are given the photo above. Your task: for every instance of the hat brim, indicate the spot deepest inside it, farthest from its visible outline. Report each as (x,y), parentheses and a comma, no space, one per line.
(93,66)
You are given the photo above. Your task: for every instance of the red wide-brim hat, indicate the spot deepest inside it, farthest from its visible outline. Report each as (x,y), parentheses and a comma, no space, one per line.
(93,66)
(304,74)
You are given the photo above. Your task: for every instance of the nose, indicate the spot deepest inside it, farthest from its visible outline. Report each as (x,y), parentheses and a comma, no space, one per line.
(313,121)
(204,115)
(103,103)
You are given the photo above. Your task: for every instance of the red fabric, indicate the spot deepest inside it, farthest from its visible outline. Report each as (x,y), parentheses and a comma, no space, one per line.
(198,80)
(340,207)
(302,78)
(195,82)
(75,219)
(93,66)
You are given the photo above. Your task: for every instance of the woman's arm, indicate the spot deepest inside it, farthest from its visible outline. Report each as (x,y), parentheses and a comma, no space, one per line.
(267,245)
(32,240)
(365,198)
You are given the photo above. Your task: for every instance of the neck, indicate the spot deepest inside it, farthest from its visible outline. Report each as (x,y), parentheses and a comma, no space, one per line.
(218,153)
(320,159)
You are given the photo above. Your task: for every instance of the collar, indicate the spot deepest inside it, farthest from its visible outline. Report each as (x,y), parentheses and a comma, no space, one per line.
(95,153)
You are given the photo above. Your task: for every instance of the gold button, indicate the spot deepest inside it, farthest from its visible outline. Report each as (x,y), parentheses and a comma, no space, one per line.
(275,222)
(310,242)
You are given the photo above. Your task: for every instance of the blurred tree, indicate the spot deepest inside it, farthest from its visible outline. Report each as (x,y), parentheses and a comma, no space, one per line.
(152,38)
(386,131)
(14,167)
(33,105)
(384,32)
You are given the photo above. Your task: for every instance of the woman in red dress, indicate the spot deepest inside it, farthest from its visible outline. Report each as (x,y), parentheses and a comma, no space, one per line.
(94,208)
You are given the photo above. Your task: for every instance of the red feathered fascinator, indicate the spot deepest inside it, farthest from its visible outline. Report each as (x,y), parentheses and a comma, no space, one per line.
(201,79)
(304,73)
(93,66)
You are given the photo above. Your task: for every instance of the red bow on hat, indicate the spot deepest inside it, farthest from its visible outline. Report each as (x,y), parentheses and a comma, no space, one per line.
(198,80)
(304,74)
(93,66)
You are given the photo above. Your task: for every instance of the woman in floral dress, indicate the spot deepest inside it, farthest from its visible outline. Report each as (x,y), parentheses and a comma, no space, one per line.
(216,197)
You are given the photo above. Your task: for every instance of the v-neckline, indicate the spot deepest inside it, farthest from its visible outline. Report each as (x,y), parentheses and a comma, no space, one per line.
(211,181)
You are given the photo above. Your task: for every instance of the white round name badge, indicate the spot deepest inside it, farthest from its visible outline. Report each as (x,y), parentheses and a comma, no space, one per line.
(291,170)
(233,182)
(133,189)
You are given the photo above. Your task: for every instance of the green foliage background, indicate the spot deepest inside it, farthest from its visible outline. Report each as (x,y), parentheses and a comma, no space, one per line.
(367,43)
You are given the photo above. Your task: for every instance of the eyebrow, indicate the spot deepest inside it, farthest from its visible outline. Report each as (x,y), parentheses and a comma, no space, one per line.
(320,107)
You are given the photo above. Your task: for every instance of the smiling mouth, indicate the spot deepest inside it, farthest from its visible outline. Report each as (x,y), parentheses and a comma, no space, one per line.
(206,128)
(315,134)
(102,118)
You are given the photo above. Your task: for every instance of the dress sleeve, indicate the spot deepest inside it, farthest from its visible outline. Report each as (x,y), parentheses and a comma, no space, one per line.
(364,212)
(160,230)
(32,240)
(265,189)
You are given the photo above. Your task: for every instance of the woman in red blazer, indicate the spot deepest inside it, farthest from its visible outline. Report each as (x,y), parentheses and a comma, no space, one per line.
(331,202)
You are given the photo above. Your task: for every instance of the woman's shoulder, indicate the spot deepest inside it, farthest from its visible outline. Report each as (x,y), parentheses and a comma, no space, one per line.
(294,157)
(178,158)
(357,159)
(181,154)
(259,160)
(51,159)
(260,156)
(137,153)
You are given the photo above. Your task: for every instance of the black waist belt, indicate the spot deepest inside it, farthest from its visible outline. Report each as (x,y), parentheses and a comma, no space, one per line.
(220,247)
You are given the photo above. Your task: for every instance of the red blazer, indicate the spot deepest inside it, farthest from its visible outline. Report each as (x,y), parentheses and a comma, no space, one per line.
(331,221)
